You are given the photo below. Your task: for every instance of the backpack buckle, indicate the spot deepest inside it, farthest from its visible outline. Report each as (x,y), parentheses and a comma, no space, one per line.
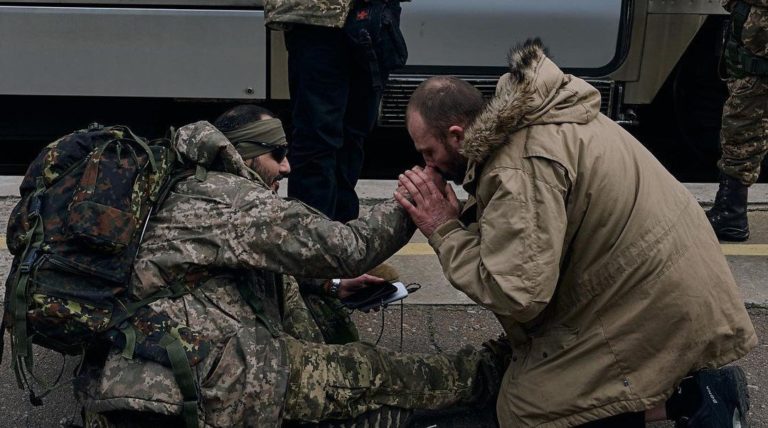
(34,207)
(29,261)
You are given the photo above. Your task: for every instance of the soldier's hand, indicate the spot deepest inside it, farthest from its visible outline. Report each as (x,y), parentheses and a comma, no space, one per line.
(430,206)
(432,173)
(351,286)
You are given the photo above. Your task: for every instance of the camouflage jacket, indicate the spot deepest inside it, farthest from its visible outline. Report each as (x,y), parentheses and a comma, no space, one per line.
(326,13)
(220,230)
(729,3)
(280,14)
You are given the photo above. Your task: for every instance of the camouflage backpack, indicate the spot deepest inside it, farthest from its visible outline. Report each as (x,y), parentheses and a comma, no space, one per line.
(85,202)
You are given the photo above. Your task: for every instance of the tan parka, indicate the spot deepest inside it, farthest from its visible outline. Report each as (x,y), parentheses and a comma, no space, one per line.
(601,267)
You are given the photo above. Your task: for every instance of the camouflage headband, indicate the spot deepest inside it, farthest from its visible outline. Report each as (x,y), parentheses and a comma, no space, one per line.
(257,138)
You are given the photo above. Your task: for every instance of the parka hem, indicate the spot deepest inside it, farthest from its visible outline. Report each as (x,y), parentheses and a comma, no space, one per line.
(642,404)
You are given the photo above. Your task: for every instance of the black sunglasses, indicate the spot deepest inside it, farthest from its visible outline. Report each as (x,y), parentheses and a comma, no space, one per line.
(279,154)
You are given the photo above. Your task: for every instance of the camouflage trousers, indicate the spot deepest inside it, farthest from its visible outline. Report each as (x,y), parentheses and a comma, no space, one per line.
(744,133)
(254,379)
(355,384)
(345,381)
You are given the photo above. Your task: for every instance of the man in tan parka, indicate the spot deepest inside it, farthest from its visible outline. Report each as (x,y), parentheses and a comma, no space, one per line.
(600,266)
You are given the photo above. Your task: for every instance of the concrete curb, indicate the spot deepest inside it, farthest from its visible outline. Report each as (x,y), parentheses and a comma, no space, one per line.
(374,190)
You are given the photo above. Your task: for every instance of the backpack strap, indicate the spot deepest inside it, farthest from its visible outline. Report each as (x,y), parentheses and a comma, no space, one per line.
(140,141)
(182,372)
(21,345)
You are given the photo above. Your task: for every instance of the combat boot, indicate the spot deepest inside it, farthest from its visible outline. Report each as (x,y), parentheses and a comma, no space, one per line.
(728,216)
(711,399)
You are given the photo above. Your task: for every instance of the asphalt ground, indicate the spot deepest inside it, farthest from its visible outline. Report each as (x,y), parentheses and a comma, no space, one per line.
(435,319)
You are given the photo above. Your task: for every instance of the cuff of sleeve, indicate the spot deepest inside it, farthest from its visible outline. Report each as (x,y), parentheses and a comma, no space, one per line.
(442,231)
(312,285)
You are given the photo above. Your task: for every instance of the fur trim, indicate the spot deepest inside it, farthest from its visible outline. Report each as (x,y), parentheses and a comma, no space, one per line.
(514,94)
(522,59)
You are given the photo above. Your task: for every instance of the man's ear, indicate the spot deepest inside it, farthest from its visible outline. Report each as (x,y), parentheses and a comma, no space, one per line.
(456,135)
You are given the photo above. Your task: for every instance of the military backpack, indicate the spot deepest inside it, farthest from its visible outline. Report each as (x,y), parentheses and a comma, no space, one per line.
(85,203)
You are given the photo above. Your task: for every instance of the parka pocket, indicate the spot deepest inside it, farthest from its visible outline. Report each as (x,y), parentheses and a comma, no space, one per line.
(549,345)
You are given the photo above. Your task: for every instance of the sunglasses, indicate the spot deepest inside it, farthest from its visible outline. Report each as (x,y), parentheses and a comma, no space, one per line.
(279,154)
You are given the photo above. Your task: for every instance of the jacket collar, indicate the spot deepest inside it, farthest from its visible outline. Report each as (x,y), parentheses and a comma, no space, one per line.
(534,91)
(506,111)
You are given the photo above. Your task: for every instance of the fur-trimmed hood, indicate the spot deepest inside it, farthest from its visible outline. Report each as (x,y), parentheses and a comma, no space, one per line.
(535,91)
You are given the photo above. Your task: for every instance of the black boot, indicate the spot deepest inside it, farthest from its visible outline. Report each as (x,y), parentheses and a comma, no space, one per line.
(711,399)
(728,216)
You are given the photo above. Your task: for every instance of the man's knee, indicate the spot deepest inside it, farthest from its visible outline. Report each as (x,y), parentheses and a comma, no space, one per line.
(328,381)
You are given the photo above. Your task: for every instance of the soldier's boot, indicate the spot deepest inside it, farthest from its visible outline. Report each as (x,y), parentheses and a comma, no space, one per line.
(728,216)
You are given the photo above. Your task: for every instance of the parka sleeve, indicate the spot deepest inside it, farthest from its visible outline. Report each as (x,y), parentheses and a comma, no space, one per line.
(286,236)
(510,261)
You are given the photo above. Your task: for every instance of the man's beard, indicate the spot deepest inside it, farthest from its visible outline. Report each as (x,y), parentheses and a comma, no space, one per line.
(271,181)
(457,167)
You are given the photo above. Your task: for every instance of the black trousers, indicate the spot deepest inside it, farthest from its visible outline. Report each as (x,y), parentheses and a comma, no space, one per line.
(334,107)
(624,420)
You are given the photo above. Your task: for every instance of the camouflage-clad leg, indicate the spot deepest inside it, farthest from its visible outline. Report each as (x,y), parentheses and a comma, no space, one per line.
(345,381)
(744,134)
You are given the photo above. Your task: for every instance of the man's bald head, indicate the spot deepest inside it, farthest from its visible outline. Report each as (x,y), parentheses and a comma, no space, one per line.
(444,101)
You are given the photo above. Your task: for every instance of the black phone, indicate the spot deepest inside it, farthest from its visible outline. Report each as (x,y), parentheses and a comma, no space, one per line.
(373,296)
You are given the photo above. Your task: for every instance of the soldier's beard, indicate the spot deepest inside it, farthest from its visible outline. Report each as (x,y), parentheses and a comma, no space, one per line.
(272,180)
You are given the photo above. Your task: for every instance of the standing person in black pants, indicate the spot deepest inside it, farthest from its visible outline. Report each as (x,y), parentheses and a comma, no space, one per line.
(339,59)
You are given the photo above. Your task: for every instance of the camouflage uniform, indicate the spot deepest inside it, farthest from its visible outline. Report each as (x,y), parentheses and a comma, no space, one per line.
(325,13)
(744,134)
(233,243)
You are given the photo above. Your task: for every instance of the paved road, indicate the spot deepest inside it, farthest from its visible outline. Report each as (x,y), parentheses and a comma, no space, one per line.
(437,318)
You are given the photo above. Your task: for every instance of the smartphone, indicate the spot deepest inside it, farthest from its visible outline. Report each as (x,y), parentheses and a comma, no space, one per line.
(375,296)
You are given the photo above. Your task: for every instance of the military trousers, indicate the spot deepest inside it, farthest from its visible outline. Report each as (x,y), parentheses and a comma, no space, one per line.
(345,381)
(744,132)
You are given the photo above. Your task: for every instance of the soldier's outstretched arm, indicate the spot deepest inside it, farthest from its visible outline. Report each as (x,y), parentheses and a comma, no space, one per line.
(289,237)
